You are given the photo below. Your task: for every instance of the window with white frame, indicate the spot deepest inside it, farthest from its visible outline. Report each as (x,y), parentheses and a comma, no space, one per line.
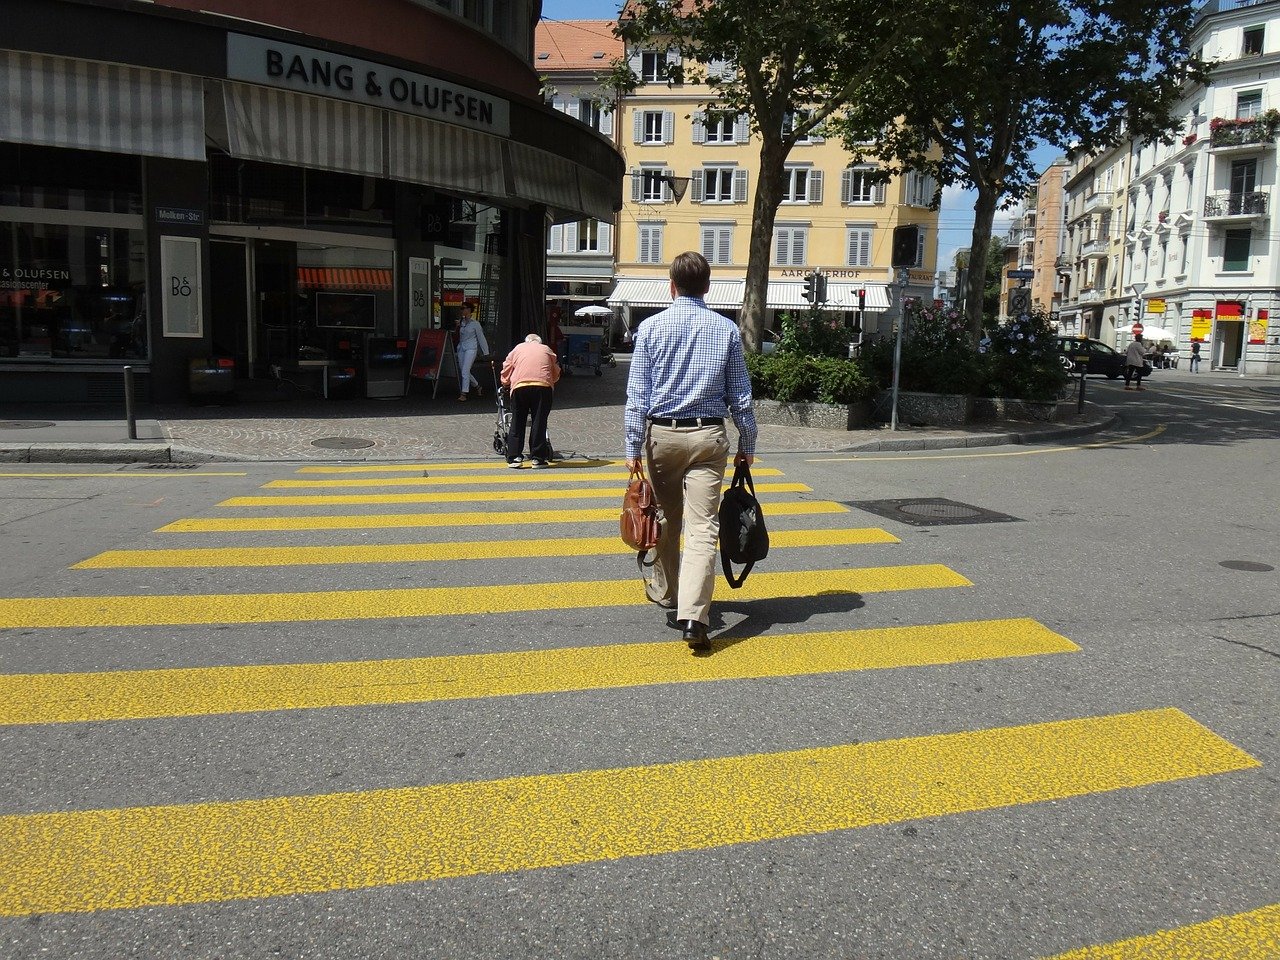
(717,184)
(796,118)
(719,127)
(593,236)
(652,64)
(791,244)
(653,127)
(795,185)
(717,242)
(650,243)
(859,185)
(1248,104)
(649,185)
(589,113)
(919,189)
(858,245)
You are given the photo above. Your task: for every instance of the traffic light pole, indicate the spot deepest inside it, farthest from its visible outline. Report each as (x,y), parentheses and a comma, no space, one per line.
(897,345)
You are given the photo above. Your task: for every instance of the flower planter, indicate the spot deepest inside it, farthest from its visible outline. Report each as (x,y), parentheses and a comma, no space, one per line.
(926,409)
(827,416)
(1007,408)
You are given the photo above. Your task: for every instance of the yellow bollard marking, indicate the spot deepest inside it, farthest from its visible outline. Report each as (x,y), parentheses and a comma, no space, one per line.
(201,691)
(1254,935)
(779,508)
(238,850)
(469,496)
(511,476)
(426,552)
(143,611)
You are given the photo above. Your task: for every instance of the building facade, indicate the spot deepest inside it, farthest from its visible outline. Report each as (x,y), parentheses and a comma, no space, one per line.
(691,177)
(1094,192)
(295,188)
(1046,257)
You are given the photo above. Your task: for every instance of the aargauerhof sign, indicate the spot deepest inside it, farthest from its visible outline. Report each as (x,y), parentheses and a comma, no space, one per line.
(318,72)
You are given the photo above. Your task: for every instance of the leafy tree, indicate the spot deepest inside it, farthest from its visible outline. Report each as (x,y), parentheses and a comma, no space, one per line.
(771,60)
(1004,76)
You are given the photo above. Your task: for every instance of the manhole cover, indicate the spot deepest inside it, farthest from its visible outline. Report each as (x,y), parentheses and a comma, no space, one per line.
(931,511)
(1253,566)
(25,424)
(342,443)
(169,466)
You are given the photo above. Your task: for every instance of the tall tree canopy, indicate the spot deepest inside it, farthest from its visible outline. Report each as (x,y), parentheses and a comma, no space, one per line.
(772,60)
(1002,77)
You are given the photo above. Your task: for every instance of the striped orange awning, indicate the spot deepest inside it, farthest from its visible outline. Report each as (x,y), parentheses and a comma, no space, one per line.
(344,278)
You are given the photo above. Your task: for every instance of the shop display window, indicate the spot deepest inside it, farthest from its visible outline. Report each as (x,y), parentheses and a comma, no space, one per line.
(72,292)
(74,180)
(245,191)
(343,293)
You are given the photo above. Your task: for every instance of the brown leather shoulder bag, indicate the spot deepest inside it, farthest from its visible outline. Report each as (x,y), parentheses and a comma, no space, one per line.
(639,524)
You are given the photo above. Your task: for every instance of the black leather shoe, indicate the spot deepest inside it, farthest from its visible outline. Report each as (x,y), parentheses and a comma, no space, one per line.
(695,635)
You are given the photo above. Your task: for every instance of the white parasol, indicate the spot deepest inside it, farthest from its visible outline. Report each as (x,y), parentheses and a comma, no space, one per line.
(593,311)
(1150,333)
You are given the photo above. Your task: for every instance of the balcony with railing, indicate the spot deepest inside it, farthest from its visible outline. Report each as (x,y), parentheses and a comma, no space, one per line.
(1244,135)
(1094,247)
(1097,202)
(1241,205)
(1089,297)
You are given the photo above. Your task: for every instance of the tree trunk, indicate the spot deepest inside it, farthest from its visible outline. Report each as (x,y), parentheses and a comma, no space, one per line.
(984,214)
(755,296)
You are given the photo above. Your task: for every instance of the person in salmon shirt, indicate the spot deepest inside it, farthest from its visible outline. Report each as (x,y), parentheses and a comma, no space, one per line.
(530,372)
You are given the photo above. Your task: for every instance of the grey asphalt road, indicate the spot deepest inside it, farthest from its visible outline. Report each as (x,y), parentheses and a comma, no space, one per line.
(1153,549)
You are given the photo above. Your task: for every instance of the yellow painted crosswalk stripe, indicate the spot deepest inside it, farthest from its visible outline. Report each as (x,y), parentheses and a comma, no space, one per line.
(211,852)
(380,521)
(468,496)
(141,611)
(200,691)
(1254,935)
(470,465)
(511,476)
(427,552)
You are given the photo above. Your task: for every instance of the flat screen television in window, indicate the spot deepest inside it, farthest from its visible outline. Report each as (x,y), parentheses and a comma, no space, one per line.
(347,311)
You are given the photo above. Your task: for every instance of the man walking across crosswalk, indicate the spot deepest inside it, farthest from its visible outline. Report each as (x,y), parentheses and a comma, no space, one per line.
(688,374)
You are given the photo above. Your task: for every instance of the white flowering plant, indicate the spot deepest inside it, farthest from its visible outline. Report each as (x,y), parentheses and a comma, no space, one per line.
(1022,358)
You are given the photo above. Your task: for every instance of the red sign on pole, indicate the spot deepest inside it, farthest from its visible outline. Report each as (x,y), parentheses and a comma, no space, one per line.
(1137,329)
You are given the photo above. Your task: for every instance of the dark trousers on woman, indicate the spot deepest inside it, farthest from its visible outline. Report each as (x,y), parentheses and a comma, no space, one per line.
(529,403)
(1132,373)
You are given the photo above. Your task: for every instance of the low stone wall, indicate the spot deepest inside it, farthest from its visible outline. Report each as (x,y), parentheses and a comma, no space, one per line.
(926,409)
(1005,408)
(826,416)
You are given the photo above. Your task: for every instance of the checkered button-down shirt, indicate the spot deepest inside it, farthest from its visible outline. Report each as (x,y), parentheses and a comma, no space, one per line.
(688,363)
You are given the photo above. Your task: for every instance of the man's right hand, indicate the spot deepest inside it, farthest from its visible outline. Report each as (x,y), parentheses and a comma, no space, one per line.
(744,459)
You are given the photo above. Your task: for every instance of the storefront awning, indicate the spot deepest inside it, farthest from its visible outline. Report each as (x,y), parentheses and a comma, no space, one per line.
(652,292)
(727,295)
(80,104)
(789,295)
(343,278)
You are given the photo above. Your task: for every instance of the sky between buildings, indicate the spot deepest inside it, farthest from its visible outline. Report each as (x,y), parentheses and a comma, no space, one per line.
(955,219)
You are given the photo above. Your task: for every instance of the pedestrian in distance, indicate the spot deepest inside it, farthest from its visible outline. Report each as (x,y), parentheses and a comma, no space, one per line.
(530,372)
(687,375)
(1195,357)
(471,344)
(1135,363)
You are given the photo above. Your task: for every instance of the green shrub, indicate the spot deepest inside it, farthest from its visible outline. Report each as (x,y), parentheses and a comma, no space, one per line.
(938,354)
(791,377)
(1022,360)
(813,333)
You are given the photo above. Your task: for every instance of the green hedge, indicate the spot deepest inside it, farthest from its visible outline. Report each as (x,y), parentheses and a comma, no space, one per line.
(802,378)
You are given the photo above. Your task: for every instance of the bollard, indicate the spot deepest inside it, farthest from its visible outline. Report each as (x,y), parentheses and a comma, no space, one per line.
(1084,371)
(128,403)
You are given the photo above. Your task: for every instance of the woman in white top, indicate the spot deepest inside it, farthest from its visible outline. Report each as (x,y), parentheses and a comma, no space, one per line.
(1135,362)
(471,344)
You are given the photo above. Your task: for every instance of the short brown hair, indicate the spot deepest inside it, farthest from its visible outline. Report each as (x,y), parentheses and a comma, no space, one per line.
(691,274)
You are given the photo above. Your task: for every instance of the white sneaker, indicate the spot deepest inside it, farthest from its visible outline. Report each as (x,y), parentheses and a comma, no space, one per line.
(515,464)
(540,464)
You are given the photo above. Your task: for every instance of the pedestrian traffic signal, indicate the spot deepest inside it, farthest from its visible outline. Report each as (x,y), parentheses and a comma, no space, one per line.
(1019,301)
(811,287)
(906,244)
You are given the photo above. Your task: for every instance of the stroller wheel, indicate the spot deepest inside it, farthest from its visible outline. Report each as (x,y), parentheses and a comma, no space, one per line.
(499,443)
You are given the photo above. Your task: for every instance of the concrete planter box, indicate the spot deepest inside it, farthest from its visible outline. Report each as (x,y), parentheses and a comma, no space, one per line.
(926,409)
(1006,408)
(827,416)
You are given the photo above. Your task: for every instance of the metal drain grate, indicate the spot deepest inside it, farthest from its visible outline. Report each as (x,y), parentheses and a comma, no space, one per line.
(342,443)
(169,466)
(25,424)
(931,512)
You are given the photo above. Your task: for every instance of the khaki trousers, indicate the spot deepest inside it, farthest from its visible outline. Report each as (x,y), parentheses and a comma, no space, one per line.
(686,467)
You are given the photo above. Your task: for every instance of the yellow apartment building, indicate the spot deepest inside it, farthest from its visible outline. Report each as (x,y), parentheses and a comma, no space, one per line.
(692,172)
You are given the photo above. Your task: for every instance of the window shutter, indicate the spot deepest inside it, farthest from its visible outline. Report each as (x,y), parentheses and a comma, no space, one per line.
(606,122)
(741,129)
(555,238)
(636,178)
(668,126)
(557,104)
(638,126)
(815,186)
(724,246)
(570,238)
(739,186)
(797,248)
(709,244)
(666,185)
(673,60)
(865,253)
(817,138)
(605,233)
(695,186)
(879,193)
(700,127)
(571,108)
(782,244)
(655,244)
(635,61)
(644,244)
(846,185)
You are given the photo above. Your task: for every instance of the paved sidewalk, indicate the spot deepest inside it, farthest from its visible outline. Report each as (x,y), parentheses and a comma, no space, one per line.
(287,424)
